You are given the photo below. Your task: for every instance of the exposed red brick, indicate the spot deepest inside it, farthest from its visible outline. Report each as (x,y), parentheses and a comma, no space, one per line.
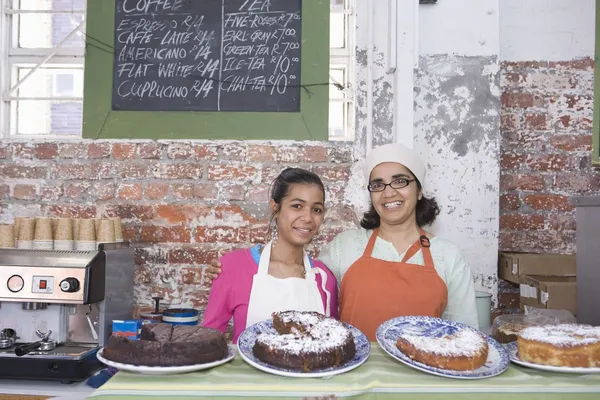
(131,233)
(182,191)
(269,173)
(517,100)
(151,256)
(124,151)
(179,151)
(205,152)
(511,161)
(179,171)
(129,191)
(563,122)
(76,190)
(175,214)
(156,191)
(518,65)
(99,150)
(25,192)
(513,79)
(576,182)
(584,63)
(333,172)
(46,151)
(192,255)
(150,151)
(103,190)
(524,141)
(22,150)
(229,211)
(68,171)
(531,221)
(4,151)
(315,154)
(562,222)
(220,234)
(4,191)
(521,182)
(72,150)
(548,202)
(542,241)
(585,124)
(548,162)
(205,191)
(135,171)
(143,275)
(233,152)
(22,171)
(258,193)
(161,234)
(340,154)
(72,211)
(197,298)
(134,212)
(509,122)
(572,142)
(229,172)
(572,102)
(536,121)
(261,153)
(51,192)
(103,170)
(258,233)
(233,193)
(509,201)
(191,275)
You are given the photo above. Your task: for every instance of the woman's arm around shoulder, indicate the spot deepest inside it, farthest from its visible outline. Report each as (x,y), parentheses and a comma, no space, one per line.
(330,286)
(461,290)
(335,253)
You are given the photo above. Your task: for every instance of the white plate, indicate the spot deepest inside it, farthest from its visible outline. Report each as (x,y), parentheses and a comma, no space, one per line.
(513,354)
(389,332)
(143,369)
(248,337)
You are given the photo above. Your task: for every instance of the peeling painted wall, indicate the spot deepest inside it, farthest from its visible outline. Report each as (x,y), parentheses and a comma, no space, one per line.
(457,103)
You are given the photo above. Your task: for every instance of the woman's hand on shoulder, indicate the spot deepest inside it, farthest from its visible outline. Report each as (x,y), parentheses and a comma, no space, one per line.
(213,270)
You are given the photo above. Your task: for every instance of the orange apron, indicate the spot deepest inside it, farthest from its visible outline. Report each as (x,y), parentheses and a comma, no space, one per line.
(374,290)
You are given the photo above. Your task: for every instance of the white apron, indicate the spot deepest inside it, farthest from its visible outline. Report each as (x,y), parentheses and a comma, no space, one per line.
(270,294)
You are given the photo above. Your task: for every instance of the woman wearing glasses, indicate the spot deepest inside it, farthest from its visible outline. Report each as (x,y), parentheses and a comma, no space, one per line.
(393,267)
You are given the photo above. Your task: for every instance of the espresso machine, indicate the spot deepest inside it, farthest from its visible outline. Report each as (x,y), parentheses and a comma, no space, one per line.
(57,308)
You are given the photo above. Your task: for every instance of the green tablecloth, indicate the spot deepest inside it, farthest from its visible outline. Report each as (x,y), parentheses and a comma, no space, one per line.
(381,377)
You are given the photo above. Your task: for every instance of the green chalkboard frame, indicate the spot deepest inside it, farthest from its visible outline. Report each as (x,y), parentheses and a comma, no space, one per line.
(101,122)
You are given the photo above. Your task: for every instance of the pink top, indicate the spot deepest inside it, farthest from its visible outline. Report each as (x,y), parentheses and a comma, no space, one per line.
(230,292)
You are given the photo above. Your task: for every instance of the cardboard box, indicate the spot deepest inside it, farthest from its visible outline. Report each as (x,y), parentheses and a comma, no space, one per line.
(513,267)
(549,292)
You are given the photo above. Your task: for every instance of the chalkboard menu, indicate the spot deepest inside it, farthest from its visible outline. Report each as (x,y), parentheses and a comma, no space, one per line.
(207,55)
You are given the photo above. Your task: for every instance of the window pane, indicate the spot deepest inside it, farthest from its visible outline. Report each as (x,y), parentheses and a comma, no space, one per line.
(50,81)
(337,126)
(63,5)
(48,30)
(337,31)
(336,76)
(44,117)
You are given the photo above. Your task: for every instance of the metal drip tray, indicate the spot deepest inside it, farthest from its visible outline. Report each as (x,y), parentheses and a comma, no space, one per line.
(70,351)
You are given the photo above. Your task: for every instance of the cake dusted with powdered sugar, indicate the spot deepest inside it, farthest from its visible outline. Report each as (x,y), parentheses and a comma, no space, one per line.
(464,350)
(564,345)
(305,341)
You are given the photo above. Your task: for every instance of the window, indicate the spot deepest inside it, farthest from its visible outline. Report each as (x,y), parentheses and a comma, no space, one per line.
(42,45)
(341,73)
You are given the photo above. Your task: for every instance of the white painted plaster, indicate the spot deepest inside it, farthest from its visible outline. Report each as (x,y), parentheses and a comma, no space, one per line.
(461,27)
(548,30)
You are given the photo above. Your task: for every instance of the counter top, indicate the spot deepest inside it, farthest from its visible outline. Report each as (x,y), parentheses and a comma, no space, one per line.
(381,377)
(44,389)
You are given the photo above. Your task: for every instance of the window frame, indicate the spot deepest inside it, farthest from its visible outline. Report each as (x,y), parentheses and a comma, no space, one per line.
(11,57)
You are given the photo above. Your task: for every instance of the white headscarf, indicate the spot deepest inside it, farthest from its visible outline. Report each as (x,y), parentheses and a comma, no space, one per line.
(397,153)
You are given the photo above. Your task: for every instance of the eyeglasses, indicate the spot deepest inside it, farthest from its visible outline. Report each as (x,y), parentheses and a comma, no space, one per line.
(395,184)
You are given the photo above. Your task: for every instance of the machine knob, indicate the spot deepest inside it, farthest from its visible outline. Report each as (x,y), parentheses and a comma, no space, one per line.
(69,285)
(15,283)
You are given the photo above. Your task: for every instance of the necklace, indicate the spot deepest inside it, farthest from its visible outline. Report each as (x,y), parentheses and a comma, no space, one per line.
(280,262)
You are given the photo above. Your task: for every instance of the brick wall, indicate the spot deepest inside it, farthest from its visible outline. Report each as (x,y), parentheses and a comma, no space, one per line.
(546,139)
(181,203)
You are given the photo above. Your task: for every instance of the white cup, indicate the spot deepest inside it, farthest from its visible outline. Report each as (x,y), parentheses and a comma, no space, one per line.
(86,245)
(63,245)
(25,244)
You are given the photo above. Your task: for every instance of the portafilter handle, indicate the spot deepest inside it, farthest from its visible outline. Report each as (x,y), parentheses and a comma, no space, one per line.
(26,348)
(43,335)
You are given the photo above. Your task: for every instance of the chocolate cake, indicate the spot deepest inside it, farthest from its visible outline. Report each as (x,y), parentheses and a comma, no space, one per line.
(168,345)
(305,341)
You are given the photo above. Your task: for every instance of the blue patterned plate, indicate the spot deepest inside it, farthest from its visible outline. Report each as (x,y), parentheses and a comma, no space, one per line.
(513,353)
(248,337)
(389,332)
